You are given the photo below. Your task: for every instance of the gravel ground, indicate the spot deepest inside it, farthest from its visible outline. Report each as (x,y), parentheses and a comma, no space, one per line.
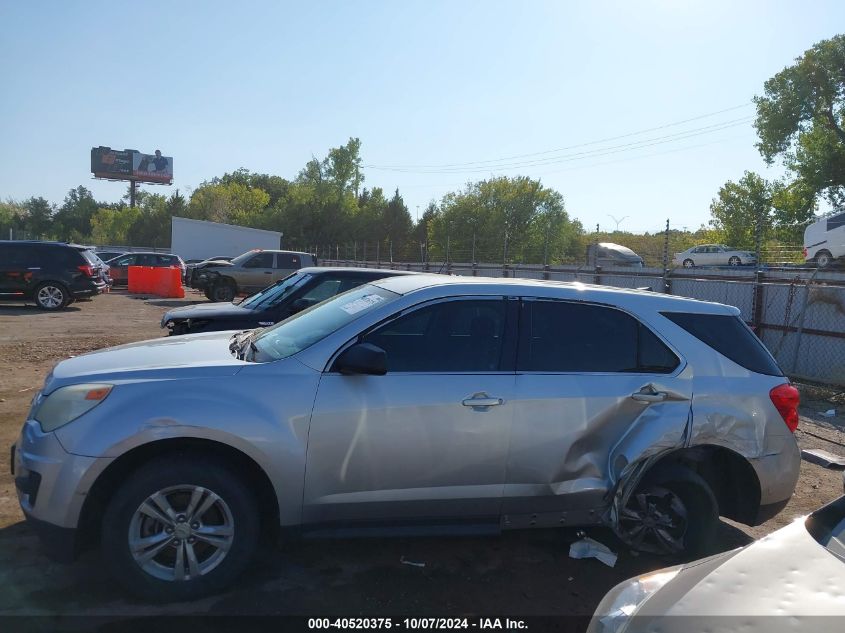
(526,573)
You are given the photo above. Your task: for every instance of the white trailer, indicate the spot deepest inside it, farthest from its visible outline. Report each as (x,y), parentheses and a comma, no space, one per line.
(199,239)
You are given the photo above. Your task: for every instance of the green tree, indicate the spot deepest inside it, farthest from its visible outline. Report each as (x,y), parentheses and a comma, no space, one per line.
(739,206)
(396,224)
(112,226)
(38,221)
(517,214)
(13,217)
(73,219)
(230,203)
(801,119)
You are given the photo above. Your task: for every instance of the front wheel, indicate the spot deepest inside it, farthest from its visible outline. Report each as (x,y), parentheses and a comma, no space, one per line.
(223,292)
(179,529)
(734,261)
(671,516)
(688,263)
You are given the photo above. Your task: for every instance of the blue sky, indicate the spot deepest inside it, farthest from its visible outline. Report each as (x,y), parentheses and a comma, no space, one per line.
(427,87)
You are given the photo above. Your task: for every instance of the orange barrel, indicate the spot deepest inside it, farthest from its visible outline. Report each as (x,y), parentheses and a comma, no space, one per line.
(158,282)
(176,289)
(147,280)
(133,279)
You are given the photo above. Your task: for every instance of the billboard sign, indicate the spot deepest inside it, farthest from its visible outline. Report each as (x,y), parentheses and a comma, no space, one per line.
(152,167)
(130,164)
(109,163)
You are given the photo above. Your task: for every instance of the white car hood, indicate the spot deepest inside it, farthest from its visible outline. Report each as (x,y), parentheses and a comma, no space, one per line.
(786,573)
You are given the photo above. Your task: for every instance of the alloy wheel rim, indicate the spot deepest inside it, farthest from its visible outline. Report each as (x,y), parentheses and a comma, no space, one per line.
(181,533)
(50,297)
(655,520)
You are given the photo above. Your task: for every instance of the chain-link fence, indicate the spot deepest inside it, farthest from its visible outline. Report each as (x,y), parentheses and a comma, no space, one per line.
(799,315)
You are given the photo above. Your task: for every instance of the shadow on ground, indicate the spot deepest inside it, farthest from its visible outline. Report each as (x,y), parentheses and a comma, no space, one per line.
(31,309)
(519,573)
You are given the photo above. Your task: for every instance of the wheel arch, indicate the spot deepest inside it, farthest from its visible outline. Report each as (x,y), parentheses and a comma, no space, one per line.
(109,481)
(730,476)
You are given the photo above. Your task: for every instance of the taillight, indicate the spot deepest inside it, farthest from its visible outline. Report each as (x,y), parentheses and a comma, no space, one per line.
(88,270)
(786,399)
(804,251)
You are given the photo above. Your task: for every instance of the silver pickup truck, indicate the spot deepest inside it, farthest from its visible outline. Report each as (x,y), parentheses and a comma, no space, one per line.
(247,273)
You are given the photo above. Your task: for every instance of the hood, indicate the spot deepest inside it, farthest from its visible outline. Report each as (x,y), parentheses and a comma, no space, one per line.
(214,263)
(224,310)
(197,355)
(786,572)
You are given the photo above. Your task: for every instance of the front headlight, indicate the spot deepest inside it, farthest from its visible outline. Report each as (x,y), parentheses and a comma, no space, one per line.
(68,403)
(614,616)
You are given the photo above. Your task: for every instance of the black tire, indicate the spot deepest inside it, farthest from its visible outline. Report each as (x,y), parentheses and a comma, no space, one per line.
(734,261)
(688,263)
(823,259)
(51,296)
(180,472)
(684,496)
(207,293)
(223,291)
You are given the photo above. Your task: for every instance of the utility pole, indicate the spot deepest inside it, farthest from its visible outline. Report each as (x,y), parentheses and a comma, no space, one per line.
(132,189)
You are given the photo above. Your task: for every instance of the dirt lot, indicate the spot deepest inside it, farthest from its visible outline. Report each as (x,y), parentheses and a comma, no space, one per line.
(518,573)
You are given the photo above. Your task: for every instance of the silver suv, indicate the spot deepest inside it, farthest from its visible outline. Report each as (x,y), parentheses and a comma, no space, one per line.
(419,400)
(247,273)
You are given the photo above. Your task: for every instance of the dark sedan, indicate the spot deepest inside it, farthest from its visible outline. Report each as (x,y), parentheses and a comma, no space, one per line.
(303,289)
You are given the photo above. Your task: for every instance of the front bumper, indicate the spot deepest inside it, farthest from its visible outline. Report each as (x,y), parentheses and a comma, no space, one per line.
(51,483)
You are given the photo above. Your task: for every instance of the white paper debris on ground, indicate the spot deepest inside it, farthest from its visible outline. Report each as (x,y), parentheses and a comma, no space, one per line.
(410,562)
(588,548)
(829,413)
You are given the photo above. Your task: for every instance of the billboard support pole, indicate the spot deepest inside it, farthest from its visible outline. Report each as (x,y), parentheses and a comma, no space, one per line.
(132,185)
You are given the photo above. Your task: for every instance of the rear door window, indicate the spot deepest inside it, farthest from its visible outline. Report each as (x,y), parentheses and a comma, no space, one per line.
(728,335)
(566,337)
(288,261)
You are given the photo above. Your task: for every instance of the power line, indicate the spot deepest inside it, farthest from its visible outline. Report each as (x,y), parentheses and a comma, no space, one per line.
(568,147)
(591,165)
(601,151)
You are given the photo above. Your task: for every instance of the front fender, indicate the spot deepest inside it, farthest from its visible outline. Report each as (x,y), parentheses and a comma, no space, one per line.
(251,414)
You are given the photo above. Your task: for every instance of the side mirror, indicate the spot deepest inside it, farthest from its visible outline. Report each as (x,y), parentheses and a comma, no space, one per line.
(362,358)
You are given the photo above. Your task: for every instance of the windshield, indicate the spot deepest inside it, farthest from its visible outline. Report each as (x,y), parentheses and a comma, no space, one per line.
(273,295)
(302,330)
(243,257)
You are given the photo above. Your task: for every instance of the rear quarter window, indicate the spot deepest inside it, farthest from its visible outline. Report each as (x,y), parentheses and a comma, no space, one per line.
(728,335)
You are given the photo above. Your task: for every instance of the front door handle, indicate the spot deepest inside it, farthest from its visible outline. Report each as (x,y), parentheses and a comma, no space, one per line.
(268,272)
(481,401)
(657,396)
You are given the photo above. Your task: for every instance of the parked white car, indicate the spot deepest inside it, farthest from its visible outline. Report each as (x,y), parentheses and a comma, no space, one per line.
(713,255)
(790,580)
(824,241)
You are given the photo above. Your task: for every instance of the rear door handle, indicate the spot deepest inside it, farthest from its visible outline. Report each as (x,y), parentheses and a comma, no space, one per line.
(658,396)
(481,401)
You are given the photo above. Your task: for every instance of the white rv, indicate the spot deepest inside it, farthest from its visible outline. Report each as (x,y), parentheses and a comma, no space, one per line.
(199,239)
(824,241)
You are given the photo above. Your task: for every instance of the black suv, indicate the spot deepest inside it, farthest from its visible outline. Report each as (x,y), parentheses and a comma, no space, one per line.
(52,274)
(294,293)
